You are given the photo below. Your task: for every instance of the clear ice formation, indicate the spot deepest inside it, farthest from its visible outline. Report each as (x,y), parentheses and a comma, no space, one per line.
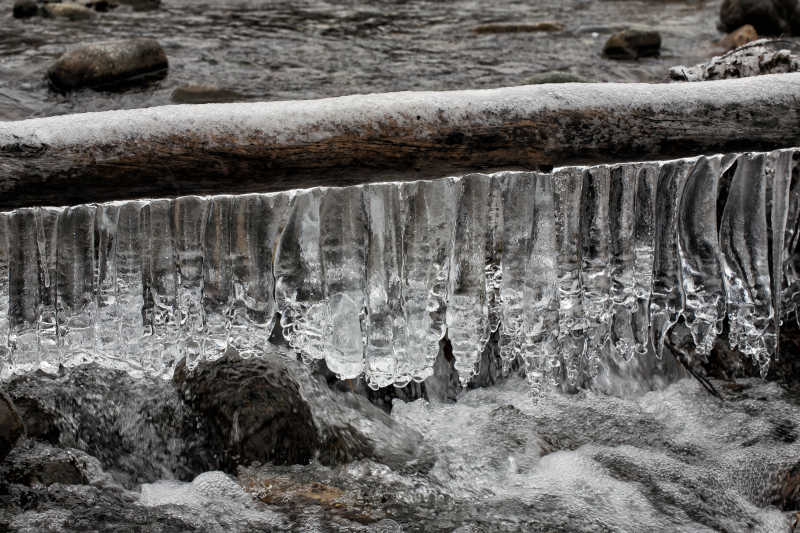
(574,267)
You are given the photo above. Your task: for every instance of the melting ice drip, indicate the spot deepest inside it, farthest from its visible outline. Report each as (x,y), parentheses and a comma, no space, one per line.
(578,266)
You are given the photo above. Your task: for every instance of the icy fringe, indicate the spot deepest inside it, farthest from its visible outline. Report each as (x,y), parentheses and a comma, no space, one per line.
(576,267)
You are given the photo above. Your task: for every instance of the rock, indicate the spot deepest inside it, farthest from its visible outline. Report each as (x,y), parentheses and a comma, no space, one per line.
(67,10)
(768,17)
(204,94)
(754,59)
(549,25)
(272,409)
(11,428)
(739,37)
(25,9)
(139,429)
(40,464)
(101,6)
(109,63)
(555,77)
(633,44)
(141,5)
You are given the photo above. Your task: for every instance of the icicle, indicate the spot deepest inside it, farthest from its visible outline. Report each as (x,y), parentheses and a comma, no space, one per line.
(540,297)
(779,173)
(666,301)
(132,265)
(5,353)
(790,298)
(621,221)
(160,288)
(567,187)
(24,289)
(217,278)
(494,255)
(189,218)
(595,279)
(644,232)
(698,248)
(299,288)
(343,244)
(107,312)
(518,207)
(76,301)
(467,326)
(427,248)
(745,263)
(386,328)
(258,220)
(46,238)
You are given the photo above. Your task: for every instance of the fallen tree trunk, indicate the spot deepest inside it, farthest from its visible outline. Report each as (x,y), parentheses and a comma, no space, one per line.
(226,148)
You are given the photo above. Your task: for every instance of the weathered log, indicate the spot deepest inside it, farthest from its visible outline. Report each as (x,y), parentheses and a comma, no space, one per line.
(272,146)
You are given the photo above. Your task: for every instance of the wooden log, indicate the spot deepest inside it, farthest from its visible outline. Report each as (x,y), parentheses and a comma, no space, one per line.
(227,148)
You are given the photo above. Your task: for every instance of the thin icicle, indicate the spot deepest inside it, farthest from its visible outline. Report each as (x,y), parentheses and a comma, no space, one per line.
(644,231)
(5,252)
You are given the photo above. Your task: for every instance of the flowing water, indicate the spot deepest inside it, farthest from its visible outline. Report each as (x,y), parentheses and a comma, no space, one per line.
(280,50)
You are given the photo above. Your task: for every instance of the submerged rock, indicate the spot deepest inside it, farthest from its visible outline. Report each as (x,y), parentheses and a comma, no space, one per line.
(109,63)
(633,44)
(274,409)
(11,427)
(555,77)
(768,17)
(203,94)
(25,9)
(67,10)
(754,59)
(544,26)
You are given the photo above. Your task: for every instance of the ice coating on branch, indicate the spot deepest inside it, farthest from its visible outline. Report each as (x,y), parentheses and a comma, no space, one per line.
(579,268)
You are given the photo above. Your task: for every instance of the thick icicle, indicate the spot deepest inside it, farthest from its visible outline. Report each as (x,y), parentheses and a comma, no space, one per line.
(518,207)
(621,222)
(50,355)
(76,304)
(790,298)
(161,319)
(745,262)
(217,288)
(428,243)
(132,264)
(667,299)
(540,297)
(343,247)
(299,285)
(595,278)
(257,222)
(107,313)
(24,282)
(467,326)
(386,327)
(494,254)
(567,187)
(698,246)
(779,173)
(644,232)
(189,217)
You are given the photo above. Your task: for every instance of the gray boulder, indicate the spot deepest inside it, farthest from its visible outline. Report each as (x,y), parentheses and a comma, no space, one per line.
(11,427)
(68,10)
(768,17)
(633,44)
(108,64)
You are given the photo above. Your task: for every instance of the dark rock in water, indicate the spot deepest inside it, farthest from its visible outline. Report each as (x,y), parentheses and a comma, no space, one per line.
(108,64)
(139,429)
(544,26)
(753,59)
(203,94)
(25,9)
(141,5)
(768,17)
(740,37)
(34,463)
(633,44)
(274,409)
(67,10)
(555,77)
(11,427)
(101,6)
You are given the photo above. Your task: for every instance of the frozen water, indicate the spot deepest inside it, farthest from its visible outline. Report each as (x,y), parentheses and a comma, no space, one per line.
(579,267)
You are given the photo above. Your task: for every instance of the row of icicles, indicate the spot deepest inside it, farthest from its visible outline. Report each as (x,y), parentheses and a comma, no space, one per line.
(578,265)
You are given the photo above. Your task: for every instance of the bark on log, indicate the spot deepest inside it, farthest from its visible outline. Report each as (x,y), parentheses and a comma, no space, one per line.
(226,148)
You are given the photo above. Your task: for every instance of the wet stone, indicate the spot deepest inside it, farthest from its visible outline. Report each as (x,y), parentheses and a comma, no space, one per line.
(25,9)
(37,464)
(11,427)
(739,37)
(204,94)
(67,10)
(633,44)
(768,17)
(555,77)
(109,64)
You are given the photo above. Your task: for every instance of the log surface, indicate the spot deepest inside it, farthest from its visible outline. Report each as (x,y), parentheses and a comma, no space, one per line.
(230,148)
